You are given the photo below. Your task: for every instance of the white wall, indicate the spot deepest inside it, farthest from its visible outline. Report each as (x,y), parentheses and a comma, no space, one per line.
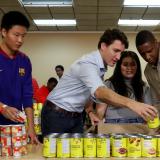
(46,50)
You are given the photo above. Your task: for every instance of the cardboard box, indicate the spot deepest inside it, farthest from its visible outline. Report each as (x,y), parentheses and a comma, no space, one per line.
(106,128)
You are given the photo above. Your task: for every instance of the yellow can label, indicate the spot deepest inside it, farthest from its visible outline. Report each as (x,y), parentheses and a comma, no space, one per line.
(63,147)
(119,147)
(37,128)
(39,106)
(149,147)
(103,147)
(90,147)
(134,147)
(49,147)
(76,147)
(35,106)
(158,147)
(154,123)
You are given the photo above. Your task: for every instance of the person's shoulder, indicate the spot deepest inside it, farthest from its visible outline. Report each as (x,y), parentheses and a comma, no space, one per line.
(22,55)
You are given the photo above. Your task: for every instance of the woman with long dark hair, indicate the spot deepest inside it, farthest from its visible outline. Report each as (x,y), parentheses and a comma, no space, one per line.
(127,81)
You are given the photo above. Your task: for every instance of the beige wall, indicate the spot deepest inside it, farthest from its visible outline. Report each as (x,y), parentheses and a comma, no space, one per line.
(46,50)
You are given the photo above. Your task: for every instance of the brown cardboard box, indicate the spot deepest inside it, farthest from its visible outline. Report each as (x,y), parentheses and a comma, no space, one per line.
(106,128)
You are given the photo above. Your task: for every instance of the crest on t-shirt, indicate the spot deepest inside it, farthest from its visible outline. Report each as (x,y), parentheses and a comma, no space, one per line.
(21,71)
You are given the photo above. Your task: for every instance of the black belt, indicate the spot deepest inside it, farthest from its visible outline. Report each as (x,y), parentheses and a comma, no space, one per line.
(61,110)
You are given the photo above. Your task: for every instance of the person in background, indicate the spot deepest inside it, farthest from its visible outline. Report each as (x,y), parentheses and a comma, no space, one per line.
(149,48)
(35,88)
(43,91)
(62,111)
(126,81)
(15,72)
(59,70)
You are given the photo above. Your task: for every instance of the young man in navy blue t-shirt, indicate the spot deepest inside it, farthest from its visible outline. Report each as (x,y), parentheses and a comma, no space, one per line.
(15,72)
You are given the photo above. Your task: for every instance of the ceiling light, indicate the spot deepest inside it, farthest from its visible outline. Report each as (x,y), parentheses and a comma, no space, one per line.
(42,3)
(54,22)
(140,22)
(141,2)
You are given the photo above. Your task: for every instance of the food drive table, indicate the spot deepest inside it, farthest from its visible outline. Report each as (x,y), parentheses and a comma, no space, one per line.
(35,153)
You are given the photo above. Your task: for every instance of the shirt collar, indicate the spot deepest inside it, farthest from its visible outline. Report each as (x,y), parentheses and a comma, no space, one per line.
(100,62)
(5,54)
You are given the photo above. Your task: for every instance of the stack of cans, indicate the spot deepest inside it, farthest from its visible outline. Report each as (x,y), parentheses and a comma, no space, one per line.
(13,140)
(90,145)
(76,145)
(37,107)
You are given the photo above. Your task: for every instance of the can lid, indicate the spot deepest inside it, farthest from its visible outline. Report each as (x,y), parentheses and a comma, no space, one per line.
(77,135)
(148,136)
(118,136)
(89,135)
(100,135)
(133,135)
(64,135)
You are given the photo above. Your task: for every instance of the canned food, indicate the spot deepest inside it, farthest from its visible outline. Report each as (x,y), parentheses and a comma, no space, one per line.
(39,106)
(103,145)
(16,152)
(6,151)
(111,141)
(23,130)
(153,123)
(16,130)
(23,150)
(5,140)
(0,149)
(158,145)
(119,145)
(149,146)
(24,140)
(89,145)
(5,130)
(16,141)
(76,143)
(21,116)
(49,145)
(134,146)
(63,146)
(36,117)
(37,128)
(34,106)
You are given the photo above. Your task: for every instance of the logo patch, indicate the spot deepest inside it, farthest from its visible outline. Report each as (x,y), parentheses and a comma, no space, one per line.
(21,71)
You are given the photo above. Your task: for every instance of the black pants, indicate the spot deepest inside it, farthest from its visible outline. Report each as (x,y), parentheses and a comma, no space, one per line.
(54,121)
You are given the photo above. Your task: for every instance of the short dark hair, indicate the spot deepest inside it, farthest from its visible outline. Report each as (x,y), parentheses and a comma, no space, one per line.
(59,66)
(111,35)
(143,37)
(14,18)
(52,79)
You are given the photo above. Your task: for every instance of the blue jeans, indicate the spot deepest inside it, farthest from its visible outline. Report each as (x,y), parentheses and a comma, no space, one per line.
(53,121)
(124,120)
